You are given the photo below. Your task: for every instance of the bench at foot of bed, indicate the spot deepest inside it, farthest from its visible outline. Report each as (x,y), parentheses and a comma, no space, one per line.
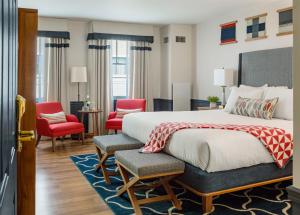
(159,166)
(107,145)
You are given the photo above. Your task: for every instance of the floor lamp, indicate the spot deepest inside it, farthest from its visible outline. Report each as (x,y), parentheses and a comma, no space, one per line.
(78,75)
(223,78)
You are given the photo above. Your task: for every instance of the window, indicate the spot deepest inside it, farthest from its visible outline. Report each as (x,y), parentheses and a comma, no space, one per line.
(40,70)
(120,83)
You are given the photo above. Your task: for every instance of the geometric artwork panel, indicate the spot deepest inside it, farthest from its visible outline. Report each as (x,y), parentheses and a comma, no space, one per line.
(285,21)
(228,33)
(256,27)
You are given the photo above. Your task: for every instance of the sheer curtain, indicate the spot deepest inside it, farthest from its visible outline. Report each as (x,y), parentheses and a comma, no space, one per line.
(139,77)
(53,77)
(99,66)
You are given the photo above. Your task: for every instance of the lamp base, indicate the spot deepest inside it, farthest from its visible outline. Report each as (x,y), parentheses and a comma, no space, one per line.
(223,96)
(78,99)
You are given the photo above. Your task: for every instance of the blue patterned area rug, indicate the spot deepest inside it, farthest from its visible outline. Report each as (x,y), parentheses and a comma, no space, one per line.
(267,200)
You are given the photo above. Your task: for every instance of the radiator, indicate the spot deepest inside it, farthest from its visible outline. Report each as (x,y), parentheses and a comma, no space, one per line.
(181,95)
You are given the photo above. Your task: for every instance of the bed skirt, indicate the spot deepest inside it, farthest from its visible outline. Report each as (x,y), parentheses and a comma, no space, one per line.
(205,182)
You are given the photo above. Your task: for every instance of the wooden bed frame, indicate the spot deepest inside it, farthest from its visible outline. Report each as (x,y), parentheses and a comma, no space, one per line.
(207,198)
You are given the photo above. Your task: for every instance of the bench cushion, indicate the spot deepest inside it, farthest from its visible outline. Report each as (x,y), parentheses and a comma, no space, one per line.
(142,164)
(112,143)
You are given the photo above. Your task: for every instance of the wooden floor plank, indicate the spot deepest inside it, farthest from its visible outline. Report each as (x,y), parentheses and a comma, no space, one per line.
(60,187)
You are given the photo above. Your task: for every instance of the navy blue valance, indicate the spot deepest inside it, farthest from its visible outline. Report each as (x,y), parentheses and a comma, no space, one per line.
(54,34)
(103,36)
(57,45)
(138,48)
(99,47)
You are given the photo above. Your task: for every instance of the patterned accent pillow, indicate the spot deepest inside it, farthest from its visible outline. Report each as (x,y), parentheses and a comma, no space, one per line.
(257,108)
(122,112)
(54,117)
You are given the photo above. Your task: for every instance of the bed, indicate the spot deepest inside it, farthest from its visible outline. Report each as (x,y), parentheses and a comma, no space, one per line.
(212,169)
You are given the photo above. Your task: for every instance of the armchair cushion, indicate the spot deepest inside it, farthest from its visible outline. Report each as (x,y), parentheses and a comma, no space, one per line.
(61,129)
(54,117)
(71,118)
(112,115)
(42,126)
(115,123)
(122,112)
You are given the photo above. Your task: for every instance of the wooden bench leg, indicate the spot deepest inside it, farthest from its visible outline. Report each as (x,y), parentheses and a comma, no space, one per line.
(102,159)
(128,186)
(127,183)
(207,204)
(168,189)
(134,201)
(99,158)
(103,168)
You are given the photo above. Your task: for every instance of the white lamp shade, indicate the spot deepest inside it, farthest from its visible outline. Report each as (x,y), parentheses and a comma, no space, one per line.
(78,74)
(223,77)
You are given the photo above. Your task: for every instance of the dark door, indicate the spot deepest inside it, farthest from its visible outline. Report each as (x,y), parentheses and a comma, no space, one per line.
(27,31)
(8,91)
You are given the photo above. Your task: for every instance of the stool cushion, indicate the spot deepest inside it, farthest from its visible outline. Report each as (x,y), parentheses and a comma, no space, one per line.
(142,164)
(112,143)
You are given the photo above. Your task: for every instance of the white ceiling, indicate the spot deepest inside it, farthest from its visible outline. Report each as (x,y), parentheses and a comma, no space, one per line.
(141,11)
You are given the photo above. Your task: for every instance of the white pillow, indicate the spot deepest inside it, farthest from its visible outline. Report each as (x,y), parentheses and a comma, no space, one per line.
(122,112)
(251,87)
(284,108)
(244,92)
(272,87)
(54,117)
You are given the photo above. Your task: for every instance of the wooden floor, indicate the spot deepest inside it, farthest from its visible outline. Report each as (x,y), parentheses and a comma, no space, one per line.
(60,188)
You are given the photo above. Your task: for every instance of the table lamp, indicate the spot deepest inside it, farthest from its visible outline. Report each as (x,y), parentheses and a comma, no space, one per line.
(78,75)
(223,78)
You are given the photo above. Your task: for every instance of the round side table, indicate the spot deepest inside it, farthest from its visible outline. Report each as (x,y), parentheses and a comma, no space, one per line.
(95,121)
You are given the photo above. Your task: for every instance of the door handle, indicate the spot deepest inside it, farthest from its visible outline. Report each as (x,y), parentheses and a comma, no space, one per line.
(24,136)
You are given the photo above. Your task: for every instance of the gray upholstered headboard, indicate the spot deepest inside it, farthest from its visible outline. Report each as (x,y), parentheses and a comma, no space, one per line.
(273,67)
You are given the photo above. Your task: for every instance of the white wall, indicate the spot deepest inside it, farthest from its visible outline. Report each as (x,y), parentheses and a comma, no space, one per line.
(52,24)
(122,28)
(296,84)
(181,53)
(77,53)
(211,55)
(176,57)
(165,76)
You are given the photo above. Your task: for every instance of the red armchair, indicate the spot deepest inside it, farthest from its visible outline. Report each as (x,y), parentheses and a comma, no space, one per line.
(114,123)
(72,126)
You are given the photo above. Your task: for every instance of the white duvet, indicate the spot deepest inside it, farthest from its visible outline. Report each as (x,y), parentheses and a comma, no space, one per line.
(211,150)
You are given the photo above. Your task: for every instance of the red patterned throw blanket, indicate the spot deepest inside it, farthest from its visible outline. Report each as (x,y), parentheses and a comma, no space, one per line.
(276,140)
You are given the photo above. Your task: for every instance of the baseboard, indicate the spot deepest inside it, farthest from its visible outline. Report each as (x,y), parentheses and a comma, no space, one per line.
(294,195)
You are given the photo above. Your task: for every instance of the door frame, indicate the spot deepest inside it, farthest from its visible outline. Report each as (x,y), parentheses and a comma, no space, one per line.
(26,170)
